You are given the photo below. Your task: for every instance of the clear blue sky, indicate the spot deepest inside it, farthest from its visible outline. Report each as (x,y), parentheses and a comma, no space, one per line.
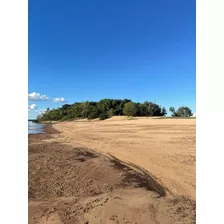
(95,49)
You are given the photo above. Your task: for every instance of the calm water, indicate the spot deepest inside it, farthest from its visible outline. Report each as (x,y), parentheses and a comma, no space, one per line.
(34,128)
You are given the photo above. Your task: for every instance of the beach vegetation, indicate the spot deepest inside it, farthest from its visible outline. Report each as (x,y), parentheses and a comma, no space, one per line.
(103,116)
(106,108)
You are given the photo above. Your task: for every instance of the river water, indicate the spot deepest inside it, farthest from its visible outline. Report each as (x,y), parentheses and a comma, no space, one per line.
(35,128)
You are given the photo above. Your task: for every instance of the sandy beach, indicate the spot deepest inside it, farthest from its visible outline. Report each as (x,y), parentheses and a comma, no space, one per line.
(164,147)
(120,170)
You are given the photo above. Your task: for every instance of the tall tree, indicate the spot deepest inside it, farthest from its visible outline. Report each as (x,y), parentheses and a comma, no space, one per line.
(184,112)
(181,112)
(130,109)
(173,111)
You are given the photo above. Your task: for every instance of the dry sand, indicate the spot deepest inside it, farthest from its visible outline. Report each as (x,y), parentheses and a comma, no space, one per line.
(113,171)
(164,147)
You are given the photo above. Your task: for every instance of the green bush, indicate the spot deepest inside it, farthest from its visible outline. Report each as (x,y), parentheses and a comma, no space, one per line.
(91,116)
(103,116)
(65,118)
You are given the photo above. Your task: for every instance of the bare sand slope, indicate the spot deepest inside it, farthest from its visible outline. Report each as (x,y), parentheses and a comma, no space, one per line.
(164,147)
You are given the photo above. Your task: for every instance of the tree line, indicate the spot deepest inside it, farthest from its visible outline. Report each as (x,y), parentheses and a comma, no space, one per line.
(103,109)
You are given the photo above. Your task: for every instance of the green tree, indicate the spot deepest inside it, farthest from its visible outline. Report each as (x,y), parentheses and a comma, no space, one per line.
(104,105)
(111,112)
(163,111)
(120,110)
(93,112)
(184,112)
(103,116)
(130,109)
(173,111)
(85,109)
(181,112)
(149,108)
(77,110)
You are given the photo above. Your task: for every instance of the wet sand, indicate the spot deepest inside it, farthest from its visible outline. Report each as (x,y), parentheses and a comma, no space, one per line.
(71,182)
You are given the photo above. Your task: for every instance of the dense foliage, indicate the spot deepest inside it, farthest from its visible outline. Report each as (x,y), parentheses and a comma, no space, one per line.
(103,109)
(181,112)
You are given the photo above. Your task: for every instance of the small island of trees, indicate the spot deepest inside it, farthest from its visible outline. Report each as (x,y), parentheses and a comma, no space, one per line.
(107,108)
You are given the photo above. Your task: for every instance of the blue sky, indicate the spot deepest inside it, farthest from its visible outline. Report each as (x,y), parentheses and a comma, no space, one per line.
(90,50)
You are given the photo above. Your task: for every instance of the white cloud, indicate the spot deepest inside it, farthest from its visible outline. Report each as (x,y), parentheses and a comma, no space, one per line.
(32,107)
(36,96)
(58,99)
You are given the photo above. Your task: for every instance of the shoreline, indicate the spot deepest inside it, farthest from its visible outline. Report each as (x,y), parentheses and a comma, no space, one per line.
(48,129)
(69,184)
